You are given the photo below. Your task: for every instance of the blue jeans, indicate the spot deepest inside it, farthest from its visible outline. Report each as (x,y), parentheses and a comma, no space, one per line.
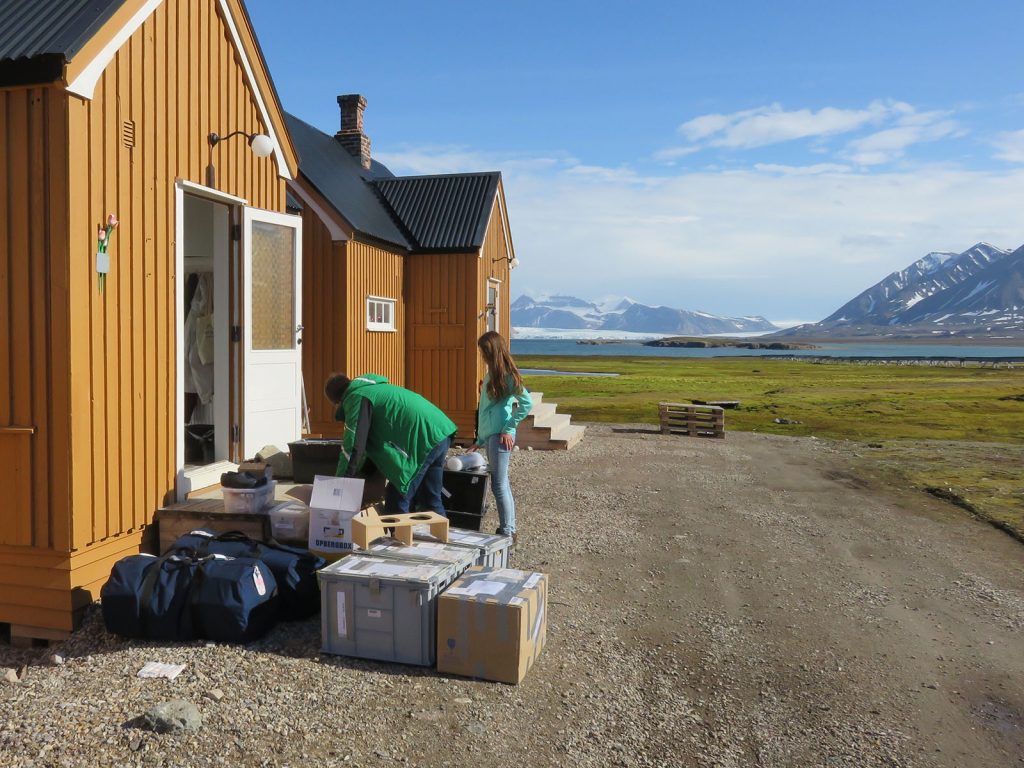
(497,466)
(425,486)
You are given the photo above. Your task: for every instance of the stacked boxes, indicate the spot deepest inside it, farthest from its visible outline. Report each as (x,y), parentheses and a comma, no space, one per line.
(492,624)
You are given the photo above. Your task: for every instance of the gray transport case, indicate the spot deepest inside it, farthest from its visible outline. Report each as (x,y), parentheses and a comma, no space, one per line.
(492,548)
(382,608)
(425,551)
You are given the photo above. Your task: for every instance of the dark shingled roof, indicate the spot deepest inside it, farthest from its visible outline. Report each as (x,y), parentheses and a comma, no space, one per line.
(344,182)
(418,213)
(37,37)
(442,213)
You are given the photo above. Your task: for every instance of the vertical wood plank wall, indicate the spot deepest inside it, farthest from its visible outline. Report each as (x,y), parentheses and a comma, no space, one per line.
(323,318)
(373,271)
(33,347)
(441,306)
(337,277)
(103,454)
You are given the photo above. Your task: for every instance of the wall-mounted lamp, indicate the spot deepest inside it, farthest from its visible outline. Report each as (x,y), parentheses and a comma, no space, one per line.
(512,263)
(260,144)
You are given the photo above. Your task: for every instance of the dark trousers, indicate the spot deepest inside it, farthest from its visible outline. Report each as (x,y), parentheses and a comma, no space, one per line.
(425,487)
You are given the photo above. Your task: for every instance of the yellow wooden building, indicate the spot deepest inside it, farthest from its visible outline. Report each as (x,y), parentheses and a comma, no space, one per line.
(409,271)
(107,107)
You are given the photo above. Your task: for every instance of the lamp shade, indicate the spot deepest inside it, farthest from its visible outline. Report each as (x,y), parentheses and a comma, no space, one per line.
(513,263)
(262,145)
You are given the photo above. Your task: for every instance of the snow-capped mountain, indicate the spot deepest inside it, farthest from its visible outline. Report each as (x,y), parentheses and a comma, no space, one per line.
(981,288)
(624,314)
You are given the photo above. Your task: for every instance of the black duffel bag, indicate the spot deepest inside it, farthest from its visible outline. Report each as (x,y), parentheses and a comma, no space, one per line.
(186,595)
(294,569)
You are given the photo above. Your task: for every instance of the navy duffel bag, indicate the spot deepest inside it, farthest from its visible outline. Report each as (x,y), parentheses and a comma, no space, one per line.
(294,569)
(186,595)
(149,597)
(234,599)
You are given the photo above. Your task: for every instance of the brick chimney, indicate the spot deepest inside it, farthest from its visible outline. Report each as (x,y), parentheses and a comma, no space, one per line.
(351,135)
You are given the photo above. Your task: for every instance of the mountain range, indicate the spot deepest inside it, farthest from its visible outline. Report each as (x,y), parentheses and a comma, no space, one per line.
(979,291)
(625,315)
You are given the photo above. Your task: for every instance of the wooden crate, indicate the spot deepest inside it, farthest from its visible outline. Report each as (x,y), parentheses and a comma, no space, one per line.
(691,419)
(178,519)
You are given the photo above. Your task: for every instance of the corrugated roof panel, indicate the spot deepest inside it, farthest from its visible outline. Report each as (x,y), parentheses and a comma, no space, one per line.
(33,28)
(442,212)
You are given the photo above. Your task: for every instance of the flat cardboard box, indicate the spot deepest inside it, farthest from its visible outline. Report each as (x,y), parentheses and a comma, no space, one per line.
(333,503)
(492,624)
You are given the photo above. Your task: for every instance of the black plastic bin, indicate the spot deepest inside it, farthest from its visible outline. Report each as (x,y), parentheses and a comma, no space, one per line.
(466,498)
(199,447)
(313,457)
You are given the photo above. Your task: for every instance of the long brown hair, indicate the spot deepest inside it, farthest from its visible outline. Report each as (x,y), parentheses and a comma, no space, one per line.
(505,378)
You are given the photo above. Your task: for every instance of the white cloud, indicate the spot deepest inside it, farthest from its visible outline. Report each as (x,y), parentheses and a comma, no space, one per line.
(444,159)
(1010,146)
(891,144)
(772,124)
(896,125)
(802,170)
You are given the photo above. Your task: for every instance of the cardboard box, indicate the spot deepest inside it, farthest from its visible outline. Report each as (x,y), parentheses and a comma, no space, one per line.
(492,624)
(332,505)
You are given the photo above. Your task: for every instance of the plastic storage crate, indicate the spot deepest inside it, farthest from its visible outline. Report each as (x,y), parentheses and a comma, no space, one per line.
(248,500)
(312,457)
(382,608)
(425,551)
(492,549)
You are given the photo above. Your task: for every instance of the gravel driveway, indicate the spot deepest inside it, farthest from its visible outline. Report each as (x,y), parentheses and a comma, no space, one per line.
(738,602)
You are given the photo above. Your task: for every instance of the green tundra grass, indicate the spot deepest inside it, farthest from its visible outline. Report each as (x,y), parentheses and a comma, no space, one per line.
(959,429)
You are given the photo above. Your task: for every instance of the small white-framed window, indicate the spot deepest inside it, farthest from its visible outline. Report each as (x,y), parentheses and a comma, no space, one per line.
(380,313)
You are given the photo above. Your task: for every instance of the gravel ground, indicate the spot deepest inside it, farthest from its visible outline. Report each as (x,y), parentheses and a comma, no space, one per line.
(746,602)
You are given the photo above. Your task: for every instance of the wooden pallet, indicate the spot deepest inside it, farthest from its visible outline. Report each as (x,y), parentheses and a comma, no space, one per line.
(691,419)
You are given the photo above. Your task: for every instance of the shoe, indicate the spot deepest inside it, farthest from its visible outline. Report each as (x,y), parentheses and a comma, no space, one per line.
(515,539)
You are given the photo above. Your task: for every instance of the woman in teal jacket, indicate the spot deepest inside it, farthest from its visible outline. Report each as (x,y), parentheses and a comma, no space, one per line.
(504,402)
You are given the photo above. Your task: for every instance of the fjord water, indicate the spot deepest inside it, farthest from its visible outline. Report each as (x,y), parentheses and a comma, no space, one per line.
(569,348)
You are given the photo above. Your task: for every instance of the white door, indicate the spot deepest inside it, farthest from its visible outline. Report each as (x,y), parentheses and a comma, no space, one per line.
(272,326)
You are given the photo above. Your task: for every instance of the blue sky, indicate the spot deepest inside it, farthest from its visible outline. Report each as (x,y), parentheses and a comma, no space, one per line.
(733,157)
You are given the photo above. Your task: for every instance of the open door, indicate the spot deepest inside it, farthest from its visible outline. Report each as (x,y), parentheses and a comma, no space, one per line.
(272,397)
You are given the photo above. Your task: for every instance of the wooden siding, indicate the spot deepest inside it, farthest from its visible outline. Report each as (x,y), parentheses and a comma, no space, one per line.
(442,302)
(338,276)
(372,271)
(446,299)
(33,319)
(102,400)
(323,318)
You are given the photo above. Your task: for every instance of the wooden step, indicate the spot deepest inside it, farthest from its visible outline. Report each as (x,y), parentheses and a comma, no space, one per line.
(552,421)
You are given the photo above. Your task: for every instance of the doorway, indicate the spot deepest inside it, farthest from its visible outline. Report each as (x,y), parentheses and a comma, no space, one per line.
(204,354)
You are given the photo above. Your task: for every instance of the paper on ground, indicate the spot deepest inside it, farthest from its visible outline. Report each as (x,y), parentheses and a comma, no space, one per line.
(160,669)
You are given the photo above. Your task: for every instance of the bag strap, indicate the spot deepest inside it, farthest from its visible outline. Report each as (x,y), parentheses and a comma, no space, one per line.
(255,547)
(149,582)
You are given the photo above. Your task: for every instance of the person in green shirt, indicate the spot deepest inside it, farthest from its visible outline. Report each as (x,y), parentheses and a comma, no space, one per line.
(402,433)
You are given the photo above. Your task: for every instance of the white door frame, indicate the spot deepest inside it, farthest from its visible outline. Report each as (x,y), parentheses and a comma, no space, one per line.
(186,482)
